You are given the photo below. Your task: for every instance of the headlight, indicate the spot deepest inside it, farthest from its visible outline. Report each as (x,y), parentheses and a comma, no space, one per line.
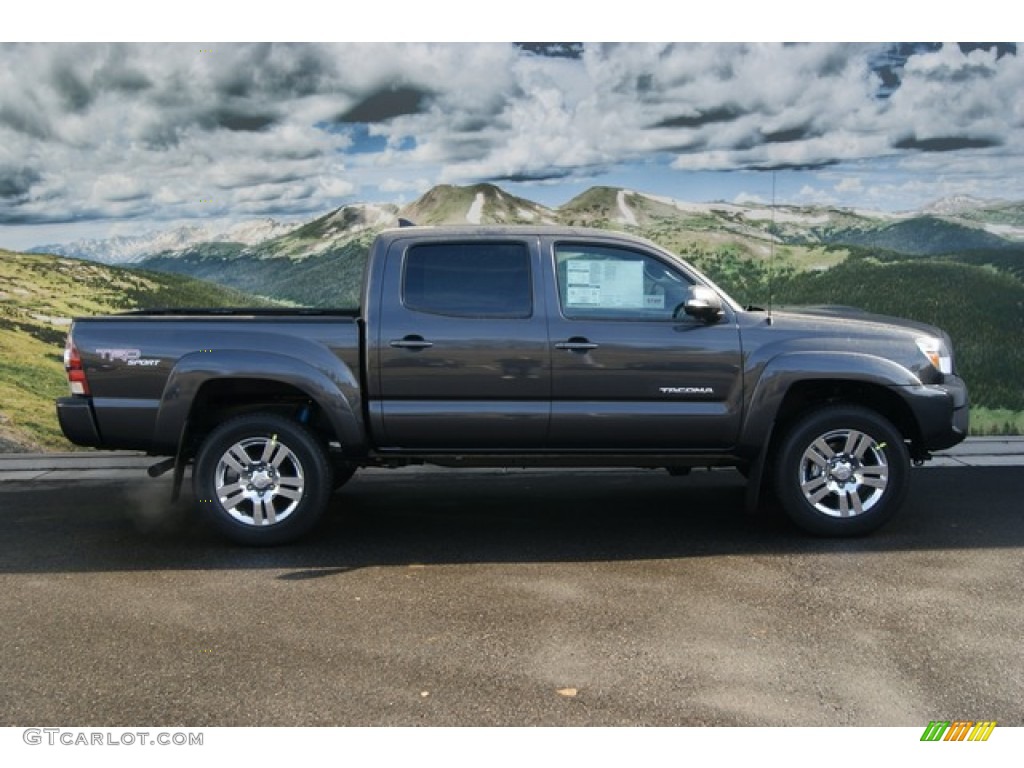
(937,353)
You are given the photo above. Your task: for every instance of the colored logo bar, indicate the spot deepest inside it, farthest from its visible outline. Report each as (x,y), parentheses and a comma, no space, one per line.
(958,730)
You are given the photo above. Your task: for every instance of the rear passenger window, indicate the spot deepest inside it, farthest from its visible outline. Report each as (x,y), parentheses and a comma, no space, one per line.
(469,280)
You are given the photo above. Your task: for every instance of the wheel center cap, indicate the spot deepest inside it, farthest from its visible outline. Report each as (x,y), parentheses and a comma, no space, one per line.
(842,471)
(261,479)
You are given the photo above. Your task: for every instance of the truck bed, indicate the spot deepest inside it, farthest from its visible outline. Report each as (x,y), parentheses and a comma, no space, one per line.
(145,369)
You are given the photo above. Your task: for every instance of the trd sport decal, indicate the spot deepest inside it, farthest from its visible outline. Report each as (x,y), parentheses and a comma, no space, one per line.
(127,356)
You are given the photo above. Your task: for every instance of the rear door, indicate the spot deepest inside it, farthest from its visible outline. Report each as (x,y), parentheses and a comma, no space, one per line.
(461,349)
(630,370)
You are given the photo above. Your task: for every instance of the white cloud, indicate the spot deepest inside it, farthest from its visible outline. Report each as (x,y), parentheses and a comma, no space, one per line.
(155,131)
(749,198)
(401,185)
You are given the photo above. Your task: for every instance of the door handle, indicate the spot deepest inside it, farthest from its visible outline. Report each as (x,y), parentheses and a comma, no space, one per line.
(576,344)
(411,342)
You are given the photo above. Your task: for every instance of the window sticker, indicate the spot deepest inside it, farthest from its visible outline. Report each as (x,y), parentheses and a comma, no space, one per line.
(601,283)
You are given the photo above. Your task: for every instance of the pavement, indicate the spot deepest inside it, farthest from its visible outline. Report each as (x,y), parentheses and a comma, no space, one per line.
(127,465)
(600,599)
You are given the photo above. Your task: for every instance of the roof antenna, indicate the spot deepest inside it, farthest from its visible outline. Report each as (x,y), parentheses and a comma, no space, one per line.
(771,255)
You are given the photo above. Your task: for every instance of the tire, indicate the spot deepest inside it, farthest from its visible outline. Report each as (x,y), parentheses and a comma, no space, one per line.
(842,470)
(262,479)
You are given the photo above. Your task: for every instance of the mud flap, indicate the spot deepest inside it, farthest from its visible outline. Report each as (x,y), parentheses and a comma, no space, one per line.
(752,498)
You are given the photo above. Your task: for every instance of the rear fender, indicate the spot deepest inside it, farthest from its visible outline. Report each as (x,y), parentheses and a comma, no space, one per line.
(327,381)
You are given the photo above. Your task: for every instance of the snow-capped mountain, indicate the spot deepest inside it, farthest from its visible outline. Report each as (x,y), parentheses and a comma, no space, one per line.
(127,249)
(954,205)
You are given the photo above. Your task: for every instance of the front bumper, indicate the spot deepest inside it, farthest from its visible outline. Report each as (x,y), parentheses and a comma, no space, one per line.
(942,412)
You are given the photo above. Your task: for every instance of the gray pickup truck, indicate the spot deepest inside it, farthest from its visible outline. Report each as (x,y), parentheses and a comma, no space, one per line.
(518,346)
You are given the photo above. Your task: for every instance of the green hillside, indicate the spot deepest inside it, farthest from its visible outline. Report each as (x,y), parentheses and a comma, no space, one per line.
(982,308)
(1010,262)
(1000,213)
(924,235)
(592,208)
(39,295)
(326,233)
(331,278)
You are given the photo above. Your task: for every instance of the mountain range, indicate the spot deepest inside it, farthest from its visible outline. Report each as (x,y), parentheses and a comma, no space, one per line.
(973,221)
(320,262)
(129,249)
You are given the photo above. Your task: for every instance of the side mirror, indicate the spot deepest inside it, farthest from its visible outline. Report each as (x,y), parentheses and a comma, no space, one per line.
(704,304)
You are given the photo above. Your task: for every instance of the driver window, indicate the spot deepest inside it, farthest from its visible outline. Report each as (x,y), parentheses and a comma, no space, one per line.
(598,282)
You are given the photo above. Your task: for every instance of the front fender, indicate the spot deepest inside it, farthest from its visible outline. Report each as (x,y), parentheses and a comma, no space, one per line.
(780,373)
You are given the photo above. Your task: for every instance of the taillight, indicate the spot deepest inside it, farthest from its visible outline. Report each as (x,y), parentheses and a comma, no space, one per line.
(73,365)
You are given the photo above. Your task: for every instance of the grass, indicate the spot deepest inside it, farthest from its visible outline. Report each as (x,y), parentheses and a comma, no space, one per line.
(39,295)
(992,422)
(31,377)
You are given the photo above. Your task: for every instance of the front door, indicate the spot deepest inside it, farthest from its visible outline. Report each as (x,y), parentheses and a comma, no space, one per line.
(630,370)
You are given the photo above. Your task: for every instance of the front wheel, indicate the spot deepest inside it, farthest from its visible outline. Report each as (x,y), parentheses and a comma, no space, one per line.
(262,479)
(842,471)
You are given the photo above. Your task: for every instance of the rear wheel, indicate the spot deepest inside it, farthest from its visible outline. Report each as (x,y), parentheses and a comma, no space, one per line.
(262,479)
(842,471)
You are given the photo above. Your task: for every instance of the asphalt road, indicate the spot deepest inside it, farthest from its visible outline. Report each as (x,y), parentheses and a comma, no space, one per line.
(519,598)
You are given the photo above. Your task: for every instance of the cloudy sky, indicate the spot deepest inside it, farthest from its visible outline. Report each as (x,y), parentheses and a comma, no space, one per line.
(102,139)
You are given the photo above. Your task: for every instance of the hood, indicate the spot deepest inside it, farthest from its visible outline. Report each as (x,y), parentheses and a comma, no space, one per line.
(836,316)
(839,329)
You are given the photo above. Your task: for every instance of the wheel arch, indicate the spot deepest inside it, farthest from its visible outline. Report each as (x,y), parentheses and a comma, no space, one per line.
(202,392)
(786,390)
(790,383)
(807,395)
